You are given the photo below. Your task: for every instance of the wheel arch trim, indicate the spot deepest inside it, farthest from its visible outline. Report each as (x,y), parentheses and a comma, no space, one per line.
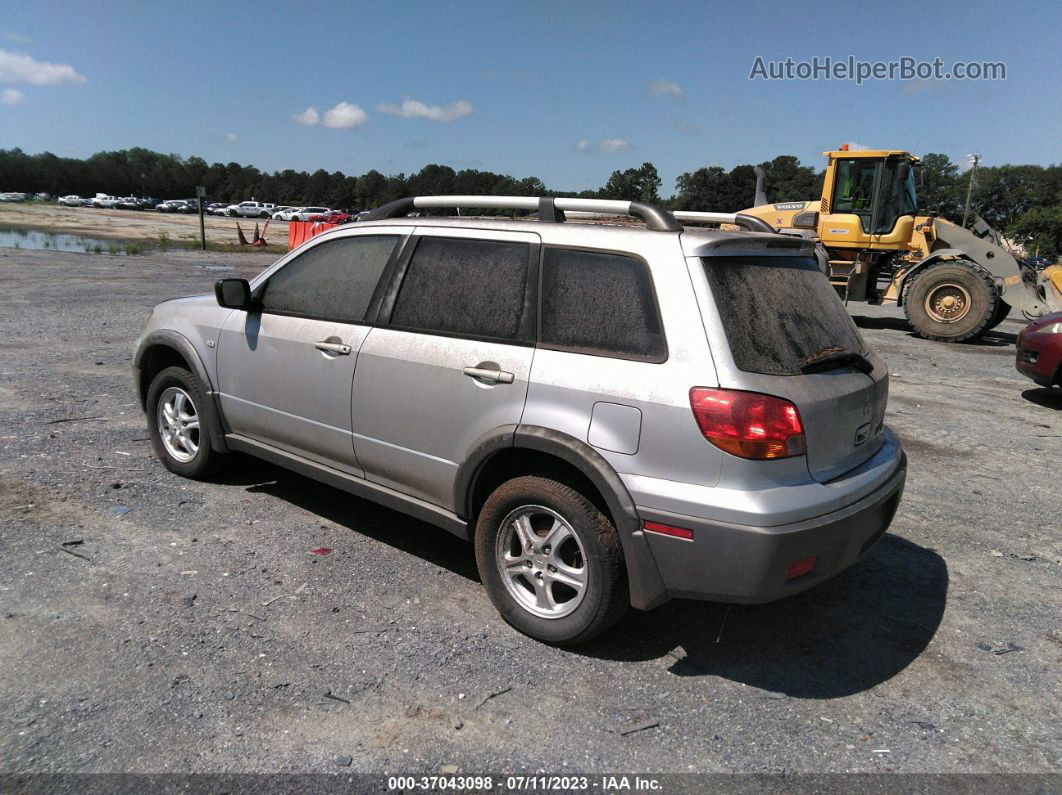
(647,588)
(174,340)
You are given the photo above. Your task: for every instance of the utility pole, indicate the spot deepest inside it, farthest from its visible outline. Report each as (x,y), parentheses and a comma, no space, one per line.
(200,194)
(974,160)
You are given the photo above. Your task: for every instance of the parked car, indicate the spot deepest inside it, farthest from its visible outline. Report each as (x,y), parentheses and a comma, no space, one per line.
(128,203)
(12,197)
(43,197)
(332,217)
(71,201)
(170,206)
(147,203)
(105,201)
(190,207)
(250,209)
(1039,354)
(614,415)
(285,214)
(305,213)
(211,208)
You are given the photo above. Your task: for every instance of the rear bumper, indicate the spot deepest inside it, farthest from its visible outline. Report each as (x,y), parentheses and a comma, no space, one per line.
(1039,357)
(748,564)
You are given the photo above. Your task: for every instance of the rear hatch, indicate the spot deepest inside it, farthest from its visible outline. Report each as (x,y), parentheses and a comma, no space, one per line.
(789,335)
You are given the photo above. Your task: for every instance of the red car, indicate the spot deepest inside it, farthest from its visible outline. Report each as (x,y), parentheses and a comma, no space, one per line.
(333,217)
(1040,350)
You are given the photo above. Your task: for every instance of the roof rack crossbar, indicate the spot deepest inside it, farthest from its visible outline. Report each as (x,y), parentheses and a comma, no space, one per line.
(749,222)
(547,207)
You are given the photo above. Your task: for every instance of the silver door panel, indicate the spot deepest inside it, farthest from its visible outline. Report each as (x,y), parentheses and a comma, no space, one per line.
(417,415)
(277,386)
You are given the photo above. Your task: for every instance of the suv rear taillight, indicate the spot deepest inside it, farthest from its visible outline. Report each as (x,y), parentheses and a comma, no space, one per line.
(748,424)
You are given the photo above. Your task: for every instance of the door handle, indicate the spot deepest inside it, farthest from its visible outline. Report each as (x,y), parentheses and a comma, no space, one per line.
(489,376)
(333,347)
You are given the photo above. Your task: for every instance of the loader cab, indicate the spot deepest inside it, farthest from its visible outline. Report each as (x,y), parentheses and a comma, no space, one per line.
(869,199)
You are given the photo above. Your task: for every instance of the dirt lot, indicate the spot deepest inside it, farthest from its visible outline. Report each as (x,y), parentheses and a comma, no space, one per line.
(185,627)
(135,224)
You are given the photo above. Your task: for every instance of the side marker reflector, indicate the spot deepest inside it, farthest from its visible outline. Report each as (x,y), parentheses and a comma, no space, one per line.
(668,530)
(798,568)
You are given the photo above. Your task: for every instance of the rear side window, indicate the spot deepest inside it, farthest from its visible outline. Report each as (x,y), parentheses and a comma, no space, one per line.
(332,281)
(466,287)
(778,312)
(600,303)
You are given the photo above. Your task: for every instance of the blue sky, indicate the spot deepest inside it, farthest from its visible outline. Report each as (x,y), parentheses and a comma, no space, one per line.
(564,91)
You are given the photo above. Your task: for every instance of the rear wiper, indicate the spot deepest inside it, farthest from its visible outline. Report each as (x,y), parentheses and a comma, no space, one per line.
(832,358)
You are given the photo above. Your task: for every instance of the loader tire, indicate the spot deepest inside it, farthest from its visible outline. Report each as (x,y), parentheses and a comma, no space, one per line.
(1001,314)
(951,302)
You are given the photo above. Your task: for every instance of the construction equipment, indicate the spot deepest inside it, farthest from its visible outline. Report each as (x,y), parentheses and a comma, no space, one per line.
(953,283)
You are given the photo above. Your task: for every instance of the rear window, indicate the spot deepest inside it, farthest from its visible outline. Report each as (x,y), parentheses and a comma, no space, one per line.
(778,312)
(600,303)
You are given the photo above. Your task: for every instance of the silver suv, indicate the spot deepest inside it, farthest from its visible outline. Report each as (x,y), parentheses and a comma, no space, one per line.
(615,414)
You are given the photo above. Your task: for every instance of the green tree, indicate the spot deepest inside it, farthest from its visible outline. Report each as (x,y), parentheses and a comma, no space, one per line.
(637,184)
(939,187)
(1040,231)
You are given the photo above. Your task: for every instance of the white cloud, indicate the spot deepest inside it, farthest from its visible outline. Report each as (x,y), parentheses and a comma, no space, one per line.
(18,68)
(688,126)
(309,117)
(927,86)
(607,145)
(664,88)
(415,109)
(613,145)
(344,116)
(232,138)
(12,96)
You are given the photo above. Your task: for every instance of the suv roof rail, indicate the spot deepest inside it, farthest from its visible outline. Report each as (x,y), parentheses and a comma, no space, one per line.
(749,222)
(549,208)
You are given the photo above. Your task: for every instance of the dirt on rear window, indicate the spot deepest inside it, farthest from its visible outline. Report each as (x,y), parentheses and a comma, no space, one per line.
(778,312)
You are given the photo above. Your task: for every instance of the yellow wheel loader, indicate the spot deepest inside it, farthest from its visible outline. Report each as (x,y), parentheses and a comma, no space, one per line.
(953,283)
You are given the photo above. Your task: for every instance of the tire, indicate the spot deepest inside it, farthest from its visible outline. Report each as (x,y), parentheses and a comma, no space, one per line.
(232,213)
(1002,310)
(951,302)
(588,552)
(263,215)
(176,397)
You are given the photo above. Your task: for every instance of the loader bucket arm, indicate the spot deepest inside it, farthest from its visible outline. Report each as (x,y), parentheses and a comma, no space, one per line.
(1018,284)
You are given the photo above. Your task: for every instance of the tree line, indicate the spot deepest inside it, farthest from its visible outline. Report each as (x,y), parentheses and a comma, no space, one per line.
(1022,201)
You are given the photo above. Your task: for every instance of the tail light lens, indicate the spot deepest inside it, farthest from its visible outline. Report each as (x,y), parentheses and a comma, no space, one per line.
(748,424)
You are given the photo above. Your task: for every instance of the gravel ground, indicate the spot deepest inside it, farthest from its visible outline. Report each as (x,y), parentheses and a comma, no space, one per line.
(185,627)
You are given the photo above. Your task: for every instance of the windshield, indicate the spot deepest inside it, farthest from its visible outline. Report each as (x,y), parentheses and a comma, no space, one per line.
(780,313)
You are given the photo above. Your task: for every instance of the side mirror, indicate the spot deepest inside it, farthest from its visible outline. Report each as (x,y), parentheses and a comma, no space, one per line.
(904,171)
(234,294)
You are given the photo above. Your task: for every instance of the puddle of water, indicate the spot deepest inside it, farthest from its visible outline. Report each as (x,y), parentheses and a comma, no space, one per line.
(36,240)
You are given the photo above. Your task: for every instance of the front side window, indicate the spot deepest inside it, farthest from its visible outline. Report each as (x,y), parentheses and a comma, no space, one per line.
(600,303)
(334,280)
(465,287)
